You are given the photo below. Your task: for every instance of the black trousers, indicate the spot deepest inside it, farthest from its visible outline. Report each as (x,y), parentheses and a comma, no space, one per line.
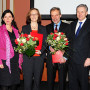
(12,87)
(78,77)
(51,74)
(32,71)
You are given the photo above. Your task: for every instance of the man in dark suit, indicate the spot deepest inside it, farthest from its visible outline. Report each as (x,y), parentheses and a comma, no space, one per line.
(61,67)
(80,50)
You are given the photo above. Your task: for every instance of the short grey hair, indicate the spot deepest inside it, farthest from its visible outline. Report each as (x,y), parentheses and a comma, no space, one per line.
(55,8)
(82,5)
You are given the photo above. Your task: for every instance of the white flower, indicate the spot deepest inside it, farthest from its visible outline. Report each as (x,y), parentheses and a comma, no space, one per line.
(18,39)
(65,38)
(29,36)
(23,40)
(58,38)
(59,33)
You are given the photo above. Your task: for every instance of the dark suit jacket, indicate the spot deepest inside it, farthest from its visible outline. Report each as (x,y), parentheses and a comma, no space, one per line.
(42,30)
(50,27)
(80,46)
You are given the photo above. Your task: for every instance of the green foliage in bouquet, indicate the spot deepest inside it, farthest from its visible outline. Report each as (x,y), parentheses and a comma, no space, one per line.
(26,44)
(57,41)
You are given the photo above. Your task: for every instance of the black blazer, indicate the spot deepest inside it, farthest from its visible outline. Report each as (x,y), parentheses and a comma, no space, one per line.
(80,46)
(42,30)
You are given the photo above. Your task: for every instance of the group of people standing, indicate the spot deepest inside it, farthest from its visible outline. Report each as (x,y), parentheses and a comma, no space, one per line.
(76,63)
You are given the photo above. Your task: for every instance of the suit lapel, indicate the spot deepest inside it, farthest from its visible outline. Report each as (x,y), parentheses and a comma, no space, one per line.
(73,29)
(28,29)
(61,27)
(39,29)
(52,27)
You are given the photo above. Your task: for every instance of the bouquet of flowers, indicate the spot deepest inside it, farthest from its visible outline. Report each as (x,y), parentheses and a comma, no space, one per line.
(59,43)
(26,44)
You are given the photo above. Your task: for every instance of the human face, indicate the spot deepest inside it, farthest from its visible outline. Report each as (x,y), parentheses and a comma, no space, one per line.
(34,16)
(81,13)
(8,18)
(55,15)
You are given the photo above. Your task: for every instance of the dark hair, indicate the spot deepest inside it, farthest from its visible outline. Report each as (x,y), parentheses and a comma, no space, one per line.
(13,21)
(55,8)
(28,20)
(83,5)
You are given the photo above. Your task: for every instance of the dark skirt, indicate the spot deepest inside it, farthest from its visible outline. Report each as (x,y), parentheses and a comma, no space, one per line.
(6,78)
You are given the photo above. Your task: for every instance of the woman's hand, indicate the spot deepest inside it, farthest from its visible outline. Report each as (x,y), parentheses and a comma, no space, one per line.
(38,52)
(1,66)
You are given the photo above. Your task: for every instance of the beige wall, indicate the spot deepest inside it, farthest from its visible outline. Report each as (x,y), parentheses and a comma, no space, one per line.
(21,7)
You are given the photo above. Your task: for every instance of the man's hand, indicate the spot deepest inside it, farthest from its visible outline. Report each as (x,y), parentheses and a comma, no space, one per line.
(51,49)
(87,62)
(62,60)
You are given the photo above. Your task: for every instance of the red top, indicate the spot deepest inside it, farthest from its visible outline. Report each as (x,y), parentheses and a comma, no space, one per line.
(35,31)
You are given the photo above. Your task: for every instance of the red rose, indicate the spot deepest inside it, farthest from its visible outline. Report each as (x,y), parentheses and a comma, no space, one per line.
(21,44)
(55,35)
(60,37)
(27,39)
(22,35)
(16,41)
(54,38)
(34,39)
(51,33)
(62,33)
(55,31)
(66,43)
(26,35)
(66,40)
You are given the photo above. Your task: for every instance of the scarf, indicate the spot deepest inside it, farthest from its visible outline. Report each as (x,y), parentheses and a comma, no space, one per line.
(7,51)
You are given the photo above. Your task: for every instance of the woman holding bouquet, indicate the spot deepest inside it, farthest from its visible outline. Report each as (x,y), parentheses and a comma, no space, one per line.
(9,67)
(33,66)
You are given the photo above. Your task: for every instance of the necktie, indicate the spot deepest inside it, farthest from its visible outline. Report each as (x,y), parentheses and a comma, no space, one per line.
(55,29)
(78,30)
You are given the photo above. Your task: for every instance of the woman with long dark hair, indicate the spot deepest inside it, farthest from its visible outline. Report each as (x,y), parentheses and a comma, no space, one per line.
(10,61)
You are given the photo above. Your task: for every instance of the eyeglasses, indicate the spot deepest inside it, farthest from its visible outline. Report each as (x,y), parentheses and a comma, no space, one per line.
(33,14)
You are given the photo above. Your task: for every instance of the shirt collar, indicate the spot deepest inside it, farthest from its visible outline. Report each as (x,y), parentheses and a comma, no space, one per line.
(82,20)
(57,24)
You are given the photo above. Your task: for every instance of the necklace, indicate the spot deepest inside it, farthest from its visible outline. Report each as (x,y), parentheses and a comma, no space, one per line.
(34,27)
